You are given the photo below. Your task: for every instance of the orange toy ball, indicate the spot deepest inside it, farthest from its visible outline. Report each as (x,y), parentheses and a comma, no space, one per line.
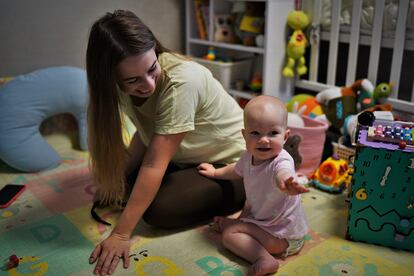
(313,108)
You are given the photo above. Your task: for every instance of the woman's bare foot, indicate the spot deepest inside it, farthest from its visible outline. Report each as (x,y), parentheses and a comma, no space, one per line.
(264,266)
(221,223)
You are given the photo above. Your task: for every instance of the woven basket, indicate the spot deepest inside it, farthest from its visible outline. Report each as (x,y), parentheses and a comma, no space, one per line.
(343,151)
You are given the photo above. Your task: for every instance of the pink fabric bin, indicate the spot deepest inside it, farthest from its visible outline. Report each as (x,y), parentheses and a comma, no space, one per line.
(310,148)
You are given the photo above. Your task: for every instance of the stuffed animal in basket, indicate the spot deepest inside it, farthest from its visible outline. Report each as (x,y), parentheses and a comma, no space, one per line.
(295,50)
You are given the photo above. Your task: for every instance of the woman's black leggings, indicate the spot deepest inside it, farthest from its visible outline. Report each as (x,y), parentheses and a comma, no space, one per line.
(187,198)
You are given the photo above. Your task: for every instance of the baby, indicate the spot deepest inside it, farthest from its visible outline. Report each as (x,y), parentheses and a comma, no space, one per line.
(272,222)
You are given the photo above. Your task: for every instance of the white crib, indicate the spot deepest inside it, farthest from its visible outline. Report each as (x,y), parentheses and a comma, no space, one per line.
(399,43)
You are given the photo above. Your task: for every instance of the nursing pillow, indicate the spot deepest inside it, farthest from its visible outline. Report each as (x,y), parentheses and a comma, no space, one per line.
(26,101)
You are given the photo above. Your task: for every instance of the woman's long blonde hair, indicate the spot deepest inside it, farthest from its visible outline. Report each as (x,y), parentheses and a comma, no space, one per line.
(112,38)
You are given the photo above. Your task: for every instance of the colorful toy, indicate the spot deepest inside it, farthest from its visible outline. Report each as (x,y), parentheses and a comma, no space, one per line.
(333,175)
(251,22)
(211,54)
(382,91)
(393,132)
(341,104)
(311,106)
(13,261)
(295,50)
(382,198)
(256,82)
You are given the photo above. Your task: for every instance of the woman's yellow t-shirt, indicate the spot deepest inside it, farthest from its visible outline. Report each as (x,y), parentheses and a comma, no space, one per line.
(189,99)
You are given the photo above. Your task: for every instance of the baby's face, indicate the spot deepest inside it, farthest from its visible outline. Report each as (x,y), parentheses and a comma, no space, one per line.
(265,136)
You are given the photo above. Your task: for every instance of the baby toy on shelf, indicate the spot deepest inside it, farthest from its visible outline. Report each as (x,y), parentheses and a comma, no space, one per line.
(223,25)
(211,54)
(295,50)
(250,22)
(333,175)
(256,82)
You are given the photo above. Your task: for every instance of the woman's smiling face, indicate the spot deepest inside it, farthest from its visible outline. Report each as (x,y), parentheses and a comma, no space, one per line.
(137,75)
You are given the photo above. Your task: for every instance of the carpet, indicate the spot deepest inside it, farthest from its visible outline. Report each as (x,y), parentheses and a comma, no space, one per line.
(50,229)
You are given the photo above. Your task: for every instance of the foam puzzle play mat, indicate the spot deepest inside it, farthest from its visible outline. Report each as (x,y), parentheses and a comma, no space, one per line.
(49,229)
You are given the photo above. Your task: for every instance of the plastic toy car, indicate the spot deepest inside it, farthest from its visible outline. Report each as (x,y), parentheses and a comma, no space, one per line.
(333,175)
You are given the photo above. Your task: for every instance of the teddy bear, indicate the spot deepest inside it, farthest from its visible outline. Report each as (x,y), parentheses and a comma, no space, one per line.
(296,46)
(224,29)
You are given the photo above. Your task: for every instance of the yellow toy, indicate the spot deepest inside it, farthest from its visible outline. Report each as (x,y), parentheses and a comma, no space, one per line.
(333,175)
(295,50)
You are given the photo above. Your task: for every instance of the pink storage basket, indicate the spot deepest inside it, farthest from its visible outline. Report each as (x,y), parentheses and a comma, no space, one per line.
(312,140)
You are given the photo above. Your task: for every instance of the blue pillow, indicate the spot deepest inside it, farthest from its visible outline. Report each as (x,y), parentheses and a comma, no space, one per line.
(26,101)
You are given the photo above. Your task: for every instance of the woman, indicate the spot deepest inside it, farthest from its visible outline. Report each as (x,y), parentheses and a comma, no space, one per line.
(183,117)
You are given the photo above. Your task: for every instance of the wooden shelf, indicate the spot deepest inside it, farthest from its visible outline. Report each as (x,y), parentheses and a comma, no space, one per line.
(237,47)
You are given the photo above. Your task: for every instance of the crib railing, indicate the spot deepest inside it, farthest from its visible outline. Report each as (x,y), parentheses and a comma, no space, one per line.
(375,42)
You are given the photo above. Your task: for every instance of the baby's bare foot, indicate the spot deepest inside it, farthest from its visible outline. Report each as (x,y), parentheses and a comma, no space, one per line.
(264,266)
(221,223)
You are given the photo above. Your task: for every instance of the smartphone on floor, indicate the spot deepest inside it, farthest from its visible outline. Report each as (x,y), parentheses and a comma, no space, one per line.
(9,193)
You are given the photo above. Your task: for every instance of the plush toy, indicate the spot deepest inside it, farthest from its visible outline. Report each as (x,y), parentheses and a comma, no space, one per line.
(295,50)
(341,104)
(250,22)
(224,29)
(311,106)
(26,101)
(292,146)
(382,91)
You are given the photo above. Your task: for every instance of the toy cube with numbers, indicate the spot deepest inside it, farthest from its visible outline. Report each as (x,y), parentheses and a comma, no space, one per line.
(382,198)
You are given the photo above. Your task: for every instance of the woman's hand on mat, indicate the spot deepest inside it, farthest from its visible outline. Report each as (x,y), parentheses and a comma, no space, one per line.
(206,169)
(109,252)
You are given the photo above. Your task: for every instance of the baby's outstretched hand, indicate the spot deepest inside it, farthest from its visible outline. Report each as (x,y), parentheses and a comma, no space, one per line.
(206,169)
(292,187)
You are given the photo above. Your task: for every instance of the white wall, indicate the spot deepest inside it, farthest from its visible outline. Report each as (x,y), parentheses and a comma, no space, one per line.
(40,33)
